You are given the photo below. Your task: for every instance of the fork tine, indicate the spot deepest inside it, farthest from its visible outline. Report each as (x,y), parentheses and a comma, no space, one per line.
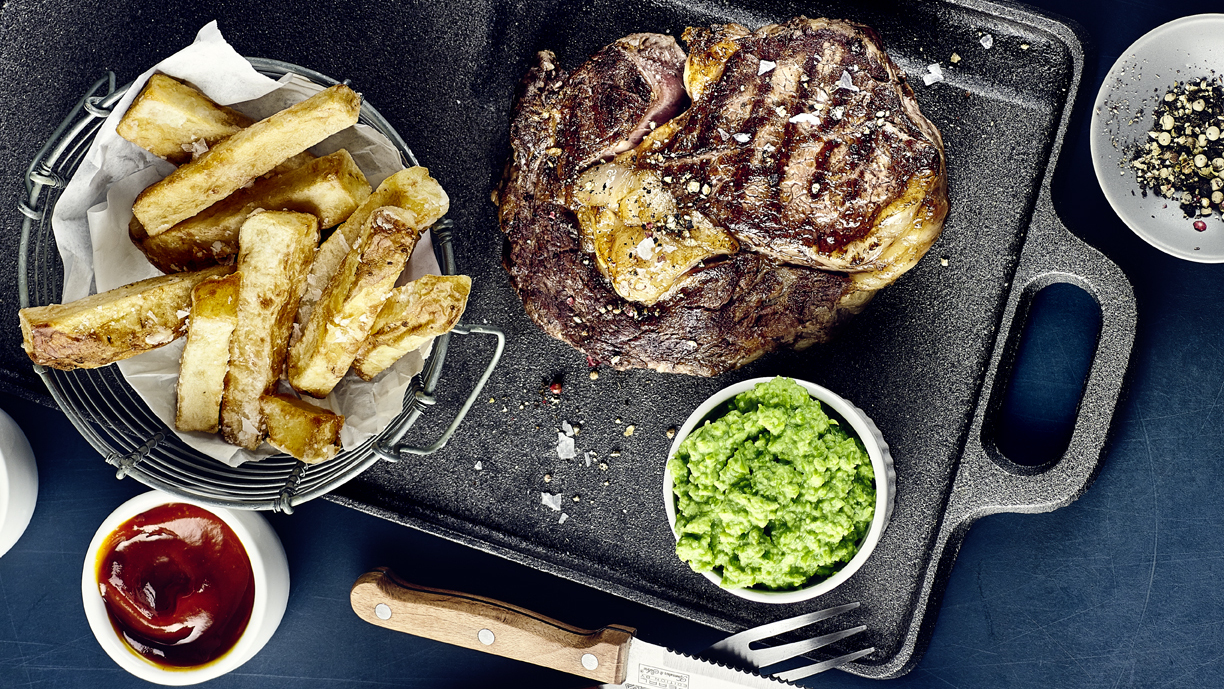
(809,670)
(765,631)
(775,654)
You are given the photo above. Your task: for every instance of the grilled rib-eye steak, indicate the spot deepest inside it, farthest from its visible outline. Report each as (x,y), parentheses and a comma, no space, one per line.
(800,178)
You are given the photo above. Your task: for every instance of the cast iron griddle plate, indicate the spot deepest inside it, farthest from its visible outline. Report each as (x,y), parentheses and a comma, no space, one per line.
(915,360)
(920,360)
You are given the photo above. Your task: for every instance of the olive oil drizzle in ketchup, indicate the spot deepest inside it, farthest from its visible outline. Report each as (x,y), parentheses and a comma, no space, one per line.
(177,584)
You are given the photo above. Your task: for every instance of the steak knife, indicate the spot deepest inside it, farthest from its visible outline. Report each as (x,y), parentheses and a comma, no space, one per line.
(611,655)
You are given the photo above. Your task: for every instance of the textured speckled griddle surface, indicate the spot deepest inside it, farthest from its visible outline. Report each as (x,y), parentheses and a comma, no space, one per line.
(921,360)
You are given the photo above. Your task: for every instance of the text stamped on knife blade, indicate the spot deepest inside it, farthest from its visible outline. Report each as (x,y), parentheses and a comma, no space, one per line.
(658,678)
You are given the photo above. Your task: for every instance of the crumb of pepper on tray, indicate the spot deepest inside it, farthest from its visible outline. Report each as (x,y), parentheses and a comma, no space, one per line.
(1184,157)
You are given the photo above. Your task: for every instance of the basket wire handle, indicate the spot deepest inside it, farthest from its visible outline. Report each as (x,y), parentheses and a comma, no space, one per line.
(42,170)
(390,450)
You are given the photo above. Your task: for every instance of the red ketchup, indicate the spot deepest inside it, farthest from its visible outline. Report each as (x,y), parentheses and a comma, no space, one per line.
(177,584)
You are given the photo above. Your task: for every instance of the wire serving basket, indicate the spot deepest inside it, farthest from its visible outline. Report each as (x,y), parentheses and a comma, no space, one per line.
(116,421)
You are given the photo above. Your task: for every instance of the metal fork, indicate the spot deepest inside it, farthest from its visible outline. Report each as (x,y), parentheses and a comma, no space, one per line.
(736,649)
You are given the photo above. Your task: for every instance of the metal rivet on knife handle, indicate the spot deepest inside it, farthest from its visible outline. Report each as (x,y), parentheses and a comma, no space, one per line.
(589,661)
(383,612)
(486,637)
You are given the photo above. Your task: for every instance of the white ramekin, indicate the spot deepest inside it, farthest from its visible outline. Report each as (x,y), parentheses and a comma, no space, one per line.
(881,464)
(271,578)
(18,482)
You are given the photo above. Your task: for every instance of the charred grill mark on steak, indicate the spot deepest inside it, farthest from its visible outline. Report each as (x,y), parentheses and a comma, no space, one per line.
(619,91)
(728,310)
(816,190)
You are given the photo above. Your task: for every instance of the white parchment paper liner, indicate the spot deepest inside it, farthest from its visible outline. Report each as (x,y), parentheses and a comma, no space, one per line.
(91,219)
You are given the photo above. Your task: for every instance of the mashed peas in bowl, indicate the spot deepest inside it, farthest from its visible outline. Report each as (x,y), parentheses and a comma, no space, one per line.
(778,489)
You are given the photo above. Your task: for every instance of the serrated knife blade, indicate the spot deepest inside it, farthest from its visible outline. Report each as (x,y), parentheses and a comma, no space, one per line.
(612,655)
(655,667)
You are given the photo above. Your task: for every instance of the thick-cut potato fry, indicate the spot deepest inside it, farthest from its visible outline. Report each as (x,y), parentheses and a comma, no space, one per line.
(173,120)
(104,328)
(411,189)
(343,317)
(245,155)
(417,312)
(168,117)
(301,430)
(214,313)
(329,188)
(275,250)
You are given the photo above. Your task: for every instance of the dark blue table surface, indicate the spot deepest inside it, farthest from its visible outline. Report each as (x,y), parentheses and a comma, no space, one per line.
(1119,589)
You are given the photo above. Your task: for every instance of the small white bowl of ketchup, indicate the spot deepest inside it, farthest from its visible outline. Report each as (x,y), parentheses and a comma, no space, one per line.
(178,592)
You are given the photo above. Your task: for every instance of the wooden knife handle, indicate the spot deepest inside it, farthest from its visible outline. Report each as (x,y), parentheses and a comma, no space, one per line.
(484,624)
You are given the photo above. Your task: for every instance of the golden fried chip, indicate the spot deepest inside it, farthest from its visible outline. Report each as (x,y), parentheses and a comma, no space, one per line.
(214,313)
(104,328)
(415,313)
(244,156)
(275,250)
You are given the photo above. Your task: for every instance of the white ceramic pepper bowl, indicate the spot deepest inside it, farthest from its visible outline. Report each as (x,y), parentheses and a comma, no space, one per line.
(271,576)
(18,482)
(881,464)
(1186,48)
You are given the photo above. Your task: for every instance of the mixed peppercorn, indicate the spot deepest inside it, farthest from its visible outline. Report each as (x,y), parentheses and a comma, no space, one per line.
(1184,158)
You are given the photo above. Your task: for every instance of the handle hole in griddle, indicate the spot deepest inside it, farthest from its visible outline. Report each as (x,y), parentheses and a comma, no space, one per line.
(1032,424)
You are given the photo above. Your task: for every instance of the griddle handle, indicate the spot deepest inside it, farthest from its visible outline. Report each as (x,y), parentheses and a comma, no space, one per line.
(987,482)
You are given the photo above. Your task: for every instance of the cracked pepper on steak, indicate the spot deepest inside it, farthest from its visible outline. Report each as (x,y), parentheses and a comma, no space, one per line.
(690,213)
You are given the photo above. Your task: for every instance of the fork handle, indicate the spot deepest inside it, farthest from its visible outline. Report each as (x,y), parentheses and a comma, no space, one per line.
(483,624)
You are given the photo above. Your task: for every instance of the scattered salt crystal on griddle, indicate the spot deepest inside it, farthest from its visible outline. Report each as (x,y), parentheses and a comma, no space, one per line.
(935,74)
(765,66)
(479,466)
(565,446)
(567,428)
(645,249)
(587,457)
(805,117)
(846,82)
(551,500)
(741,137)
(987,41)
(564,516)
